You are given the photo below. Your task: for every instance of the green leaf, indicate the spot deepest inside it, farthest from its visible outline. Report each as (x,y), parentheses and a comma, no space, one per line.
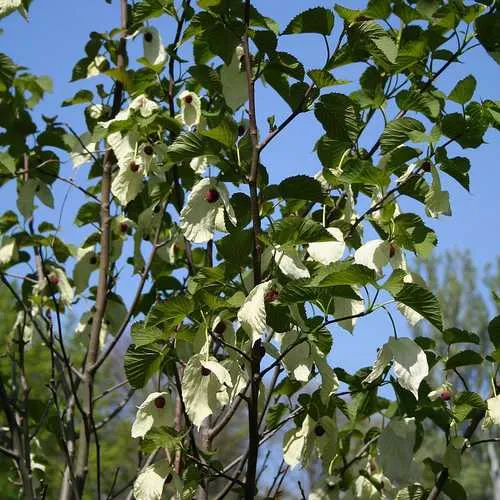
(422,301)
(7,71)
(226,132)
(323,78)
(339,116)
(161,437)
(141,364)
(456,336)
(88,213)
(458,168)
(488,33)
(464,358)
(398,131)
(494,332)
(301,187)
(144,335)
(82,96)
(330,151)
(190,145)
(317,20)
(298,230)
(463,90)
(357,171)
(207,77)
(344,273)
(171,312)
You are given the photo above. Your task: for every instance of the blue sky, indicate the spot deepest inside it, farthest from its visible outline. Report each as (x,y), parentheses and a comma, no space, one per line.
(53,41)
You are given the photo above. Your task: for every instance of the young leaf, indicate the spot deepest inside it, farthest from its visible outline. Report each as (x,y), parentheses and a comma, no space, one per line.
(317,20)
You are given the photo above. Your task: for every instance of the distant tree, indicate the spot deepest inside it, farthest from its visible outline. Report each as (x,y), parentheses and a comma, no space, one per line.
(469,297)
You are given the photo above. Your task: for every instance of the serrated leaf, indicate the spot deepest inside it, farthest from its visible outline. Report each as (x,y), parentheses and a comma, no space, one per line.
(141,364)
(463,90)
(464,358)
(488,33)
(456,336)
(144,335)
(494,331)
(170,313)
(317,20)
(301,187)
(398,131)
(423,302)
(339,116)
(344,273)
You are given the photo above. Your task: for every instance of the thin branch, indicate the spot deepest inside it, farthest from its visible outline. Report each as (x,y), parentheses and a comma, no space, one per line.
(116,411)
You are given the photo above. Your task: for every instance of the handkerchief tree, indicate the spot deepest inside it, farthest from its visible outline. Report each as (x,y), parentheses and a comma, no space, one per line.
(229,290)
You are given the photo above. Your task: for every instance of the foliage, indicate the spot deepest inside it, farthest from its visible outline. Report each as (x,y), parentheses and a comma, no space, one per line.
(239,285)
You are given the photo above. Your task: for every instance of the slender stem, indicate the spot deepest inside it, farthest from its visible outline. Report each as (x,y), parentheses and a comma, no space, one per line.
(253,413)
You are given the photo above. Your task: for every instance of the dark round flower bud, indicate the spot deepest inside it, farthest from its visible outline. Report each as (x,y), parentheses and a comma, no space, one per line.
(426,166)
(123,227)
(188,99)
(241,130)
(148,150)
(160,402)
(205,372)
(169,478)
(93,260)
(54,279)
(220,328)
(148,36)
(156,209)
(133,166)
(212,195)
(319,430)
(272,295)
(445,395)
(392,250)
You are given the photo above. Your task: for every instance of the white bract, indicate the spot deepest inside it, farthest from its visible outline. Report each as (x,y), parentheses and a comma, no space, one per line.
(86,262)
(203,380)
(150,482)
(298,361)
(208,200)
(134,165)
(345,308)
(437,201)
(290,263)
(84,327)
(141,104)
(154,51)
(58,284)
(492,416)
(234,81)
(82,148)
(190,108)
(376,254)
(93,69)
(410,363)
(252,313)
(8,251)
(199,164)
(157,410)
(300,443)
(396,445)
(327,252)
